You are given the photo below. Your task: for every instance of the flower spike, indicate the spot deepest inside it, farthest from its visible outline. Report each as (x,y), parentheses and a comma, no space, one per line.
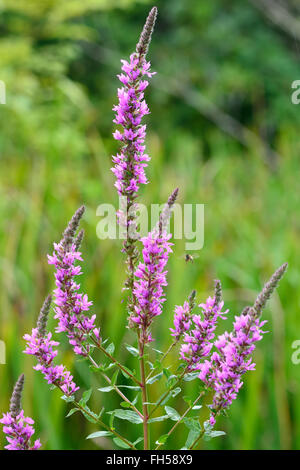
(145,38)
(16,426)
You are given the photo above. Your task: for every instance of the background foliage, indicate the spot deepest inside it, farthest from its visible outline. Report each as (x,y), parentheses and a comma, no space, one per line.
(222,128)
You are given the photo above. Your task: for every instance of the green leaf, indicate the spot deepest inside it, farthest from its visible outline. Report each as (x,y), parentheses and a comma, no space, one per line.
(157,364)
(192,424)
(99,434)
(120,443)
(172,413)
(130,387)
(159,418)
(195,429)
(139,439)
(110,349)
(192,436)
(91,419)
(165,400)
(132,350)
(154,378)
(166,373)
(188,400)
(128,415)
(68,399)
(134,401)
(94,368)
(125,404)
(175,391)
(106,389)
(217,433)
(71,412)
(208,435)
(158,351)
(132,372)
(86,396)
(207,426)
(190,376)
(171,381)
(114,377)
(162,439)
(111,421)
(181,367)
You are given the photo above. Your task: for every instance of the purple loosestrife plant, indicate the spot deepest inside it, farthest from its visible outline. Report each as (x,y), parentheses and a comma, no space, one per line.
(198,342)
(232,358)
(70,304)
(182,320)
(216,363)
(40,345)
(131,161)
(17,428)
(151,279)
(151,276)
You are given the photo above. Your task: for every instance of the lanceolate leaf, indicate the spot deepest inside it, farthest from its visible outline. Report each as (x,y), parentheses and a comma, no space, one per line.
(154,378)
(172,413)
(132,350)
(192,436)
(159,418)
(120,443)
(192,423)
(106,389)
(85,397)
(162,439)
(111,348)
(190,376)
(208,435)
(99,434)
(114,377)
(128,415)
(71,412)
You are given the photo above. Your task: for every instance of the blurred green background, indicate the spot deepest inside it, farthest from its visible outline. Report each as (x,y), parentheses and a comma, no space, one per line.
(222,128)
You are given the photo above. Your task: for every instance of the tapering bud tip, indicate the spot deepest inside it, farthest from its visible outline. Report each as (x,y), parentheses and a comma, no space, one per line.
(78,239)
(218,292)
(166,212)
(69,233)
(145,38)
(43,316)
(246,310)
(191,299)
(15,401)
(268,289)
(173,197)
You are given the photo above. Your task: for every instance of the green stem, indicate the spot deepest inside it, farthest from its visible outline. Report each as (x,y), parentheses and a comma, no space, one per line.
(101,423)
(101,348)
(168,391)
(144,397)
(182,417)
(122,394)
(197,440)
(163,357)
(115,387)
